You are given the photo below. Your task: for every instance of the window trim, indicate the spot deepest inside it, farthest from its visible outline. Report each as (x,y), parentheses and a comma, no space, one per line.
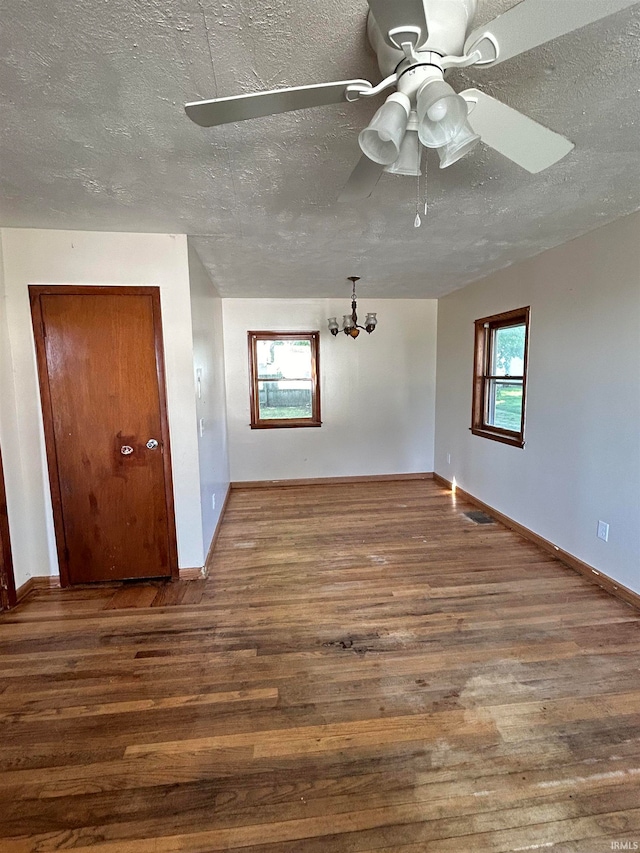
(484,329)
(272,423)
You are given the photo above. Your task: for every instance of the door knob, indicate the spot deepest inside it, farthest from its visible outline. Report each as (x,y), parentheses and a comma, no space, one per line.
(152,444)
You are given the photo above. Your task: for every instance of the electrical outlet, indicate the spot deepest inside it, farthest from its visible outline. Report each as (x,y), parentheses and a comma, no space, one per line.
(603,531)
(201,427)
(213,501)
(448,459)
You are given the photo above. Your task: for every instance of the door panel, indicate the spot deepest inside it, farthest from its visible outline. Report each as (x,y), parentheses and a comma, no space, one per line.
(100,362)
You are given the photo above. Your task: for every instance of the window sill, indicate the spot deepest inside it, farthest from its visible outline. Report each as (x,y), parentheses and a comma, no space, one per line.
(284,424)
(503,437)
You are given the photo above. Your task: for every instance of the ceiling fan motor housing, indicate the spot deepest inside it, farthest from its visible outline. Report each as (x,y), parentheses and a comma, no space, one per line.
(448,22)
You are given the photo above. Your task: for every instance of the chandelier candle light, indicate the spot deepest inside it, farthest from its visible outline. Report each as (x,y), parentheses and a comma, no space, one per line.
(350,321)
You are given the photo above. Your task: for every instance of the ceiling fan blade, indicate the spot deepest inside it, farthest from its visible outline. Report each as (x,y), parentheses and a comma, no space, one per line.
(362,181)
(257,104)
(392,15)
(514,135)
(534,22)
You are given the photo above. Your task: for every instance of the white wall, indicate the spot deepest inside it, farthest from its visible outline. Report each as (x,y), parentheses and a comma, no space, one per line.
(377,392)
(581,461)
(68,257)
(211,406)
(8,424)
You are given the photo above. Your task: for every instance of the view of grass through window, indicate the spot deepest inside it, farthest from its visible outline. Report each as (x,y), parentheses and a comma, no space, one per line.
(507,405)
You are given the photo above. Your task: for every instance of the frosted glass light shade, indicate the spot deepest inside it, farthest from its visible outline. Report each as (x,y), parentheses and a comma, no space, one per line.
(334,328)
(347,321)
(459,146)
(441,113)
(381,140)
(408,162)
(370,323)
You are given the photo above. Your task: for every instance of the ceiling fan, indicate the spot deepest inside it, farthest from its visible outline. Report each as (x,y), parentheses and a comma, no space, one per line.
(416,42)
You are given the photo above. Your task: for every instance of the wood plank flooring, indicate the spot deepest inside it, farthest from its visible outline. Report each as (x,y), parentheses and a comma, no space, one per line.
(365,669)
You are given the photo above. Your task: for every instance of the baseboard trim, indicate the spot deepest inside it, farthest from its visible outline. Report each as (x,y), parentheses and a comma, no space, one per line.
(191,574)
(41,582)
(216,533)
(594,575)
(327,481)
(53,582)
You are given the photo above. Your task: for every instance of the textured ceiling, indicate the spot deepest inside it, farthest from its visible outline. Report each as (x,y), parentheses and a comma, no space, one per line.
(93,136)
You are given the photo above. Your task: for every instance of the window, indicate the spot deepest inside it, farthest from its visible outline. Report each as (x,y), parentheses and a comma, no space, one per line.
(283,372)
(500,376)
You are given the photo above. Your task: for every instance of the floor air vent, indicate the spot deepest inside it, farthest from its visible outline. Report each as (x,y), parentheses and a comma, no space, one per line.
(479,517)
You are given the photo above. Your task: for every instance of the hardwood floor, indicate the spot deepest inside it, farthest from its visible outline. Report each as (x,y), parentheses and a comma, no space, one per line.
(364,669)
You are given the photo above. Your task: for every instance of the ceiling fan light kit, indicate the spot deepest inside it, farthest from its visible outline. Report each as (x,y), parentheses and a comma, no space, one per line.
(416,42)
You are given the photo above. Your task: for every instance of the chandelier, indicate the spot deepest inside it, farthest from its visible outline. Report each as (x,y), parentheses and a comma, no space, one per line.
(350,321)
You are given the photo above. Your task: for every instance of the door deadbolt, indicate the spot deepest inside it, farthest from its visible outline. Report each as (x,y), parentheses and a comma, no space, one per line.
(152,444)
(126,450)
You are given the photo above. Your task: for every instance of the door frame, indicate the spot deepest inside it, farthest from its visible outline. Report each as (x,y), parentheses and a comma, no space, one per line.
(8,598)
(35,292)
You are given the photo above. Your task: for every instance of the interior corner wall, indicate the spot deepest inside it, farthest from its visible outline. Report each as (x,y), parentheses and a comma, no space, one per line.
(581,460)
(377,392)
(34,256)
(210,397)
(8,428)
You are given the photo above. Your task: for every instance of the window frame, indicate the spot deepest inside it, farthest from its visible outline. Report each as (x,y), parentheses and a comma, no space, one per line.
(254,379)
(482,378)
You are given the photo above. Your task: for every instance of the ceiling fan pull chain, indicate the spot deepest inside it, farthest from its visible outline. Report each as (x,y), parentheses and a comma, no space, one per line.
(417,222)
(425,181)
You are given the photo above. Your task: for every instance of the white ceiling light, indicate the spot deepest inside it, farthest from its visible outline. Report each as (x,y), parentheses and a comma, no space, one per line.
(441,113)
(459,146)
(381,140)
(408,162)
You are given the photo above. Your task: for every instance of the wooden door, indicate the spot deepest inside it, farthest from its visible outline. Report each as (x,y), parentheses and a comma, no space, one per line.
(101,371)
(7,582)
